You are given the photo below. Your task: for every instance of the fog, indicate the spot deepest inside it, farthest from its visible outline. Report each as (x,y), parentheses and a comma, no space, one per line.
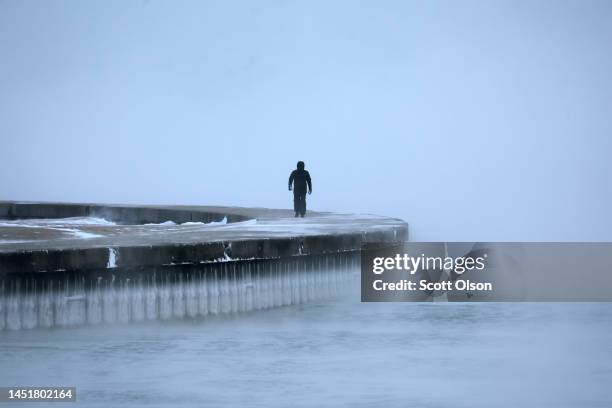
(487,120)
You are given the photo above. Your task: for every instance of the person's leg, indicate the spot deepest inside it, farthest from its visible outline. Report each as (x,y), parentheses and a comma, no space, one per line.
(303,206)
(298,204)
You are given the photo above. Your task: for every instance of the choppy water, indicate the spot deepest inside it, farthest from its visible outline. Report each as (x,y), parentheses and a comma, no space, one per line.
(337,353)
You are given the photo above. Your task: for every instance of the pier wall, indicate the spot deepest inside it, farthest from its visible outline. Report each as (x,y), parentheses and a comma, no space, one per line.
(134,272)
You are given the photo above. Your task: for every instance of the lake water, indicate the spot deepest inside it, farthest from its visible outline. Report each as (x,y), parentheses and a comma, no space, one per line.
(329,354)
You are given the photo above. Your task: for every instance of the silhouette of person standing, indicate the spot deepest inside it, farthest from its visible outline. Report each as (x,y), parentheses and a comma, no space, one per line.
(300,179)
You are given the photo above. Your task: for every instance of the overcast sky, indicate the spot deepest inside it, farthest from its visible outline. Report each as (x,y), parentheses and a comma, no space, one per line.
(471,120)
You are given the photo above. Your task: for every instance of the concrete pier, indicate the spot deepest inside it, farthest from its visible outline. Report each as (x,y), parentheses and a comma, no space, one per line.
(73,264)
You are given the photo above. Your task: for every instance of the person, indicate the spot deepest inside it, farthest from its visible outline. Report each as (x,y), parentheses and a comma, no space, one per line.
(300,179)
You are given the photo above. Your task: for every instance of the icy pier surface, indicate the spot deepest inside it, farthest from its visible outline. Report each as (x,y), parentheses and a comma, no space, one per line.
(73,264)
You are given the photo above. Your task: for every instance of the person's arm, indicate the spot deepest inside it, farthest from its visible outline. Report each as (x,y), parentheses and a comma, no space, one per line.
(291,179)
(309,183)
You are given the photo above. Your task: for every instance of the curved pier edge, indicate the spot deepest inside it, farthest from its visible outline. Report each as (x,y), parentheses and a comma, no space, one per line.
(143,268)
(132,243)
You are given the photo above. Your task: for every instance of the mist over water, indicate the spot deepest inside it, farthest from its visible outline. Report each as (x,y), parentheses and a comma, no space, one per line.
(472,120)
(335,353)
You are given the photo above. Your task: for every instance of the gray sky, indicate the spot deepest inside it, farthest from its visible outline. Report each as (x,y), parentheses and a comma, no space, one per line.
(471,120)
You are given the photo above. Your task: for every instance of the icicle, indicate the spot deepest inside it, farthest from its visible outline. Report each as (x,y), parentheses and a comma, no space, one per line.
(210,289)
